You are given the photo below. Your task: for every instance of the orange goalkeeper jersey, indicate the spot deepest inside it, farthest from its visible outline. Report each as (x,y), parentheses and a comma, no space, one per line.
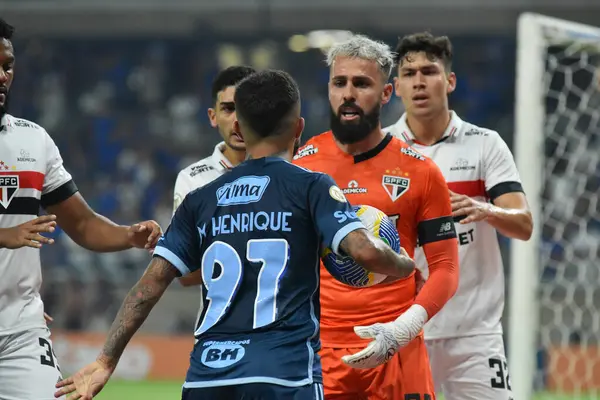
(412,191)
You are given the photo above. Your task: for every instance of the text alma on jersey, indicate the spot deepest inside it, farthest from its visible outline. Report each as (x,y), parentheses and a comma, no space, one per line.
(248,222)
(244,190)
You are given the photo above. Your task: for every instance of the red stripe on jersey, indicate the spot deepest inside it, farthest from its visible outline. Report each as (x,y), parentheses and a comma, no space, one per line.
(27,179)
(468,188)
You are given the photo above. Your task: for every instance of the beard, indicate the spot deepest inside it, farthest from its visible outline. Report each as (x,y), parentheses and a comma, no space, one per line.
(352,132)
(236,147)
(234,144)
(4,107)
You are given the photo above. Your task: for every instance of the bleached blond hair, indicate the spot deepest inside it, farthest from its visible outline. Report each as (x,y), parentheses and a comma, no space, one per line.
(365,48)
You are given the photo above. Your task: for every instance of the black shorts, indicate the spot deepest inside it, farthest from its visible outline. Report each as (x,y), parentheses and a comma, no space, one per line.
(255,391)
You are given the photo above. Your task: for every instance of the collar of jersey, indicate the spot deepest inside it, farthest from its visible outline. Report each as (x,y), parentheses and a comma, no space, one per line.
(367,155)
(265,160)
(219,159)
(404,131)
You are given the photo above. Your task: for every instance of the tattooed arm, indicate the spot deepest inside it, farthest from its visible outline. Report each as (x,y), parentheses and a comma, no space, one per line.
(374,255)
(135,309)
(89,381)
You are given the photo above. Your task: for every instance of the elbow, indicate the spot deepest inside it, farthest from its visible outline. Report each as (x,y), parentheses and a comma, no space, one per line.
(193,279)
(453,284)
(448,274)
(452,276)
(529,227)
(526,230)
(450,280)
(187,281)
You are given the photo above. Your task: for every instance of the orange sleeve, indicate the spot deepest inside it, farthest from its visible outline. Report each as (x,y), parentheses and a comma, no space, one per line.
(437,236)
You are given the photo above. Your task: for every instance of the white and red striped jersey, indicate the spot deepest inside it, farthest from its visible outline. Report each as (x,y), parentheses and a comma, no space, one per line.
(200,173)
(31,175)
(475,162)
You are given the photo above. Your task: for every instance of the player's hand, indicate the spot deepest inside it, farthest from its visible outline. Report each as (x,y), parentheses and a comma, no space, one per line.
(379,351)
(29,233)
(387,338)
(145,235)
(471,209)
(86,383)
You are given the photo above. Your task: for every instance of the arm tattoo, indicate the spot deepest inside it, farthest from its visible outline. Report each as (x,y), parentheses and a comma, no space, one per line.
(136,307)
(354,242)
(375,255)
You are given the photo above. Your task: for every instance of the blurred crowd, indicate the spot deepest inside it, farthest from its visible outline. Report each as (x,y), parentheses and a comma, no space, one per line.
(128,114)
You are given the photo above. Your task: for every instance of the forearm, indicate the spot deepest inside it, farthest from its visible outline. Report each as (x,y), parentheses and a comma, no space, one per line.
(4,232)
(376,256)
(442,283)
(511,222)
(98,233)
(135,309)
(388,262)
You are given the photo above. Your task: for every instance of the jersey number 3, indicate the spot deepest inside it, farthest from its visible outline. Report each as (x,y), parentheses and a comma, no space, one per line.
(273,254)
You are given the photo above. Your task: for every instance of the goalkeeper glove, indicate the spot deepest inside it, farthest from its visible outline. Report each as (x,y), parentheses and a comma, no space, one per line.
(388,338)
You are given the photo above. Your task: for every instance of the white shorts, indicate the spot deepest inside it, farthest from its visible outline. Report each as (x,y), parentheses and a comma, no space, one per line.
(470,368)
(28,367)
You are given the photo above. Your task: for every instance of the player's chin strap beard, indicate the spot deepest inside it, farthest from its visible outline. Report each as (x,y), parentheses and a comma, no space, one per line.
(3,112)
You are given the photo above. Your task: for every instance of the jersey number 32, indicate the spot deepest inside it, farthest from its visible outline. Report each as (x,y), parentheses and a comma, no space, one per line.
(273,254)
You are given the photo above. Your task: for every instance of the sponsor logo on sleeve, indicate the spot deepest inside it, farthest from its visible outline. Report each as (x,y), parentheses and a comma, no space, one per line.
(337,194)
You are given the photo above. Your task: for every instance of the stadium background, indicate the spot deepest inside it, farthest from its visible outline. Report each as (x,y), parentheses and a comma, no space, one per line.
(123,87)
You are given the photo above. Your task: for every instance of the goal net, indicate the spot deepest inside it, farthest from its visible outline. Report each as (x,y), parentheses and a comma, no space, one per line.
(554,319)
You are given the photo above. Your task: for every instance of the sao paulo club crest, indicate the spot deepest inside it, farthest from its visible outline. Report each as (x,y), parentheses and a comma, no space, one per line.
(395,186)
(9,184)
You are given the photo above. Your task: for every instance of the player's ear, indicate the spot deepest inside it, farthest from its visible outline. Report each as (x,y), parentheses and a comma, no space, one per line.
(212,116)
(451,83)
(386,95)
(397,89)
(299,128)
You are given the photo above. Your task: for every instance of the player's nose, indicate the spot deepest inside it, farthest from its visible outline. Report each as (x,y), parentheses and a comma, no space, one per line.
(419,80)
(349,94)
(419,84)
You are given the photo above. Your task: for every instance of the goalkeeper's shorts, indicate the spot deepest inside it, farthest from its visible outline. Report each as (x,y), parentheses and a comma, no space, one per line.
(406,376)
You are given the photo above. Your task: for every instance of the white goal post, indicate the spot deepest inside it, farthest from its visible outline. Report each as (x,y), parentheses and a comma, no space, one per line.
(554,315)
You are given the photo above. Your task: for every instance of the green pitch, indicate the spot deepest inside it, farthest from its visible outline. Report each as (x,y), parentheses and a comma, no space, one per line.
(126,390)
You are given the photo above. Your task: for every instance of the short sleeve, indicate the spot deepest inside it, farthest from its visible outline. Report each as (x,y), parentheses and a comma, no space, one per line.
(181,243)
(435,214)
(58,183)
(331,211)
(500,172)
(182,188)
